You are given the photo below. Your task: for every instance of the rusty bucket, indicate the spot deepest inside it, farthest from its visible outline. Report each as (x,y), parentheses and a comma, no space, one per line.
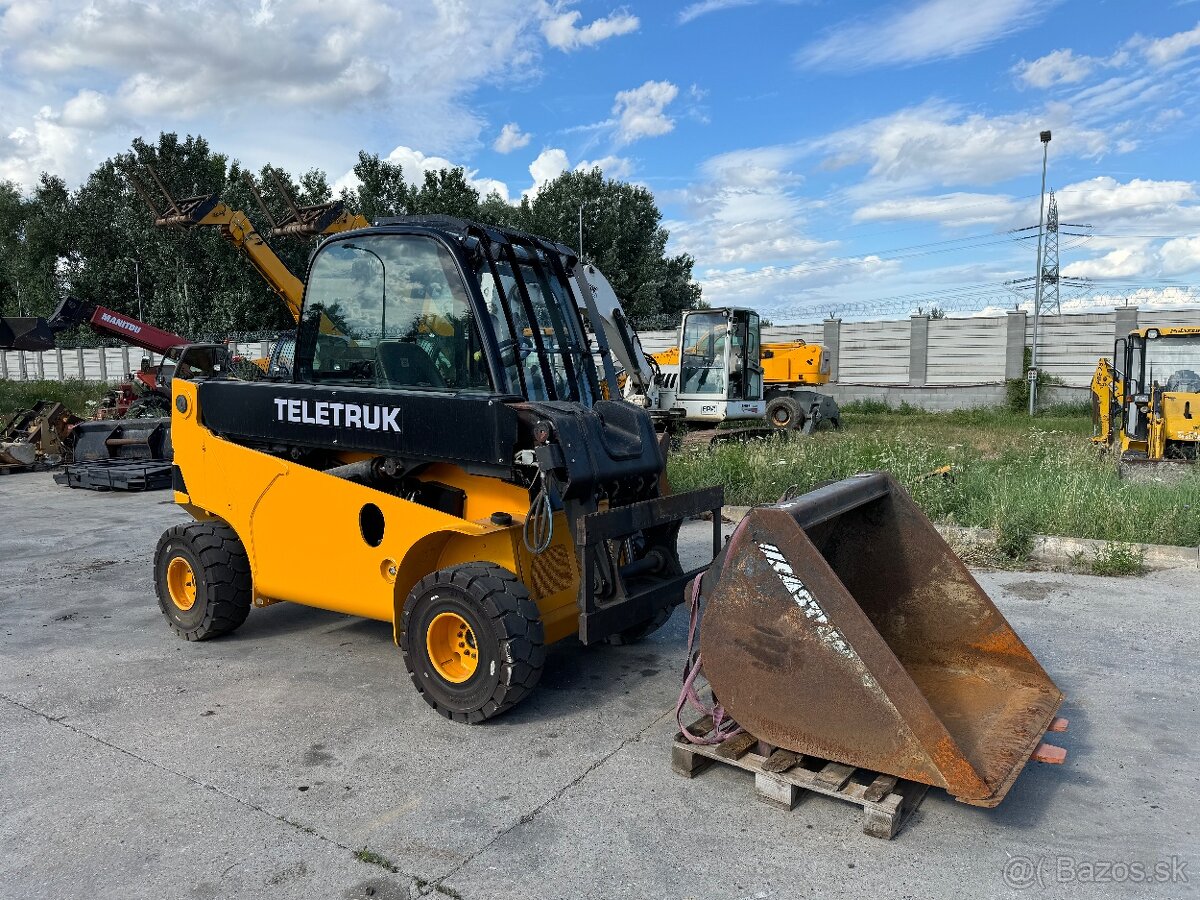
(842,626)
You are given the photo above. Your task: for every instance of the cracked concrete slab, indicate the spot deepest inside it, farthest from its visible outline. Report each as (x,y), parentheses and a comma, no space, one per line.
(135,764)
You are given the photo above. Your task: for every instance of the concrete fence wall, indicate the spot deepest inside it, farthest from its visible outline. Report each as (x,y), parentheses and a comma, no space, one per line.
(93,363)
(936,363)
(919,352)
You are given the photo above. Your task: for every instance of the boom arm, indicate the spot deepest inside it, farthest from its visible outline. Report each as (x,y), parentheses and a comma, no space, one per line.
(106,322)
(236,228)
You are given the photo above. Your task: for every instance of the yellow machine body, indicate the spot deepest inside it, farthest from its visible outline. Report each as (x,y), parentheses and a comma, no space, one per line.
(268,501)
(794,362)
(783,363)
(1147,414)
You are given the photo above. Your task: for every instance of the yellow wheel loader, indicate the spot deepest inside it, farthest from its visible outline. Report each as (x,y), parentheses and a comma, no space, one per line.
(1146,402)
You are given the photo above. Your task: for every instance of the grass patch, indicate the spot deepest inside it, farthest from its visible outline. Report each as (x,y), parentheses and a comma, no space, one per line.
(1017,475)
(1118,559)
(372,858)
(74,394)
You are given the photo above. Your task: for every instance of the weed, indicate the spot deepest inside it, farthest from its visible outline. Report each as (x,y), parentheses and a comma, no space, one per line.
(1015,474)
(1015,536)
(1118,559)
(73,393)
(370,856)
(449,892)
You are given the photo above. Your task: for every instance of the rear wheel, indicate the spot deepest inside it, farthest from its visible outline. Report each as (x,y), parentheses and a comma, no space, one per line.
(784,412)
(202,579)
(472,640)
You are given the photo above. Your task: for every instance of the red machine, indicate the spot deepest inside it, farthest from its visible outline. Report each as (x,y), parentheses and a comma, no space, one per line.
(143,389)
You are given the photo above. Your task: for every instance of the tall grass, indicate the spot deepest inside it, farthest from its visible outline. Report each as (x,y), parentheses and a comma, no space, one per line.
(1009,473)
(73,393)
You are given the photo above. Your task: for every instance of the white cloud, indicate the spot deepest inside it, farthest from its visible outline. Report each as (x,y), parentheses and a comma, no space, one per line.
(561,30)
(1161,51)
(641,112)
(1180,256)
(1104,200)
(415,164)
(553,161)
(245,77)
(618,167)
(940,144)
(1131,260)
(1059,67)
(704,7)
(548,165)
(957,209)
(746,211)
(511,138)
(927,30)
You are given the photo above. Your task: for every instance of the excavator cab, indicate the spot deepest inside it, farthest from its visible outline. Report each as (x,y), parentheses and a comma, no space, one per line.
(720,373)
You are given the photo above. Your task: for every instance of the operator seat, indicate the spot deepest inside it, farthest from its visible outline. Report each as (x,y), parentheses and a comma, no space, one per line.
(1184,381)
(406,365)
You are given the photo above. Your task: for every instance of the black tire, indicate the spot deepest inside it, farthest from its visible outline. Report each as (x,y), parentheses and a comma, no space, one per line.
(509,641)
(223,591)
(784,413)
(642,630)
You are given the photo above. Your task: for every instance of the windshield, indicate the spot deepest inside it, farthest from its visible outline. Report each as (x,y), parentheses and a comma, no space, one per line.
(1173,362)
(702,356)
(403,316)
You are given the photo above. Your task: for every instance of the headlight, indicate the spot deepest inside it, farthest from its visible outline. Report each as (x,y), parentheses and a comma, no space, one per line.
(1141,398)
(1152,334)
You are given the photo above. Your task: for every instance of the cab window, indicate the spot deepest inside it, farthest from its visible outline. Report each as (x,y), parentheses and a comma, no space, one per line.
(400,315)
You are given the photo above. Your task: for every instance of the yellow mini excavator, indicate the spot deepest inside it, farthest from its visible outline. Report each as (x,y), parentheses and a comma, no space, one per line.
(1146,402)
(452,469)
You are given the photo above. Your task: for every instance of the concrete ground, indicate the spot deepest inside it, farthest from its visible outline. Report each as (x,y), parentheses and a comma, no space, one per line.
(136,765)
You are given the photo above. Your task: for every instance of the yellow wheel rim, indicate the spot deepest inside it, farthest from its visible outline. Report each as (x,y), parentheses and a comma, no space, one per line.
(452,648)
(181,583)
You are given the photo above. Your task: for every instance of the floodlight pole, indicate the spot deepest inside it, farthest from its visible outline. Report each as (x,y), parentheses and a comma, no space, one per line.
(1037,284)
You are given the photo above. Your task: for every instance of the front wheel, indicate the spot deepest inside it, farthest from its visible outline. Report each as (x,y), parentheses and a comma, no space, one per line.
(784,413)
(472,640)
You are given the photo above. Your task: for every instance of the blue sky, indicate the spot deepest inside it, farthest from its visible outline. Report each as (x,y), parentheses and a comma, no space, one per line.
(814,157)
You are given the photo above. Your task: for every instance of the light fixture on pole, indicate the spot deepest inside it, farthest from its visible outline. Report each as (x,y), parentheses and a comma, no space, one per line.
(1032,374)
(137,277)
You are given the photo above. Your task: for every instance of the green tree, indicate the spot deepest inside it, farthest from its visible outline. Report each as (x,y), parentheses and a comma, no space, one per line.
(381,189)
(445,192)
(622,236)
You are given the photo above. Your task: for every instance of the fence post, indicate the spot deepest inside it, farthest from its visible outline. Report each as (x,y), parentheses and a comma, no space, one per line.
(3,364)
(918,349)
(59,359)
(833,342)
(103,366)
(1014,346)
(79,358)
(40,365)
(21,365)
(1125,320)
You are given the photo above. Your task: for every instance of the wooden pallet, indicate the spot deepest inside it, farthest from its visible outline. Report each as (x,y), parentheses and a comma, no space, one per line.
(780,775)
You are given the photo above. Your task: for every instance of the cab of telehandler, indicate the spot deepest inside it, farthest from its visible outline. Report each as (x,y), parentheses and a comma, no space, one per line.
(446,464)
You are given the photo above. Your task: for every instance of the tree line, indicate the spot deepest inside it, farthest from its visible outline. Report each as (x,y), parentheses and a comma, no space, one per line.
(100,243)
